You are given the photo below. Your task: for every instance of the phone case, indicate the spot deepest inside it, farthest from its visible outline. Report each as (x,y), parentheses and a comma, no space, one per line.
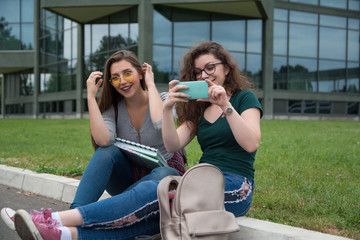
(196,89)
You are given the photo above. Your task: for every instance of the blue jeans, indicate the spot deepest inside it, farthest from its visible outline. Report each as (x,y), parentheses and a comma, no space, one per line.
(238,193)
(109,170)
(124,216)
(136,211)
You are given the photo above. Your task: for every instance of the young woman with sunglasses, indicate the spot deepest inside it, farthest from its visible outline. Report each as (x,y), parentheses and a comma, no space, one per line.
(130,90)
(133,209)
(227,124)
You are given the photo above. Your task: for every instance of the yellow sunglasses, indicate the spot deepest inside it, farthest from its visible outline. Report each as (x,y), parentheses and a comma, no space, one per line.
(127,76)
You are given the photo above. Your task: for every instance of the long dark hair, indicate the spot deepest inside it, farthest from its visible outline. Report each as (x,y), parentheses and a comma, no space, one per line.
(109,96)
(235,80)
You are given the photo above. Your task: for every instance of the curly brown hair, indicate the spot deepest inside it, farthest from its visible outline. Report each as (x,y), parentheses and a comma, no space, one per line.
(108,95)
(235,80)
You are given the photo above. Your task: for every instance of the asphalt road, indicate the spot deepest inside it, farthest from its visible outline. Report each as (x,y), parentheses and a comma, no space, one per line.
(15,199)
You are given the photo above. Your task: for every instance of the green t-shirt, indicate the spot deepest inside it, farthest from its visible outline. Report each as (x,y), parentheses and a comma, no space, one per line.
(218,143)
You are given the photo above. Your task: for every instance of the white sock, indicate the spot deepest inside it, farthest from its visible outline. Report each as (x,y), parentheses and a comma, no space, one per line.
(65,233)
(55,215)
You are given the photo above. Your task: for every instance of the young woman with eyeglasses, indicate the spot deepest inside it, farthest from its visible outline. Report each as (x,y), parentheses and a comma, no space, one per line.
(227,124)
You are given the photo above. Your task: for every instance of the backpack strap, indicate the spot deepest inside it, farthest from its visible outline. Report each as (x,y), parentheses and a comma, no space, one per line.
(167,213)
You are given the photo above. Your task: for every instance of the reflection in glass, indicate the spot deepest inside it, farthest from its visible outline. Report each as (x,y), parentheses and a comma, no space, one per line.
(26,84)
(303,40)
(27,36)
(15,30)
(334,3)
(302,74)
(253,68)
(178,57)
(353,45)
(48,79)
(324,107)
(280,72)
(117,29)
(67,23)
(188,34)
(162,29)
(87,39)
(97,61)
(99,37)
(240,59)
(74,42)
(313,2)
(354,5)
(73,75)
(254,36)
(60,21)
(134,33)
(332,43)
(64,76)
(332,21)
(331,75)
(340,85)
(352,108)
(303,17)
(353,77)
(280,14)
(66,45)
(50,44)
(280,38)
(310,107)
(353,85)
(162,63)
(27,10)
(10,10)
(230,40)
(9,42)
(50,24)
(354,23)
(294,106)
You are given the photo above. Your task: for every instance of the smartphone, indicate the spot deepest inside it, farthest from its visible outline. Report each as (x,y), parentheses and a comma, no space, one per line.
(196,89)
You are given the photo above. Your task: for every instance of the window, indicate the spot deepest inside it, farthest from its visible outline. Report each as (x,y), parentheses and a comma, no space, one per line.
(173,37)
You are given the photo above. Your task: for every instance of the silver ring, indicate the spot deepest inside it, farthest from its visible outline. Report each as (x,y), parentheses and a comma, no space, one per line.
(91,76)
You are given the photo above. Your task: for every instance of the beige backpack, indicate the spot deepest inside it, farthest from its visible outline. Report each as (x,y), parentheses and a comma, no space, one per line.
(197,210)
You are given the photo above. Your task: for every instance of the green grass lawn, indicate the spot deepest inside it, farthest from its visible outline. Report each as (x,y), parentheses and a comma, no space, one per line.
(307,172)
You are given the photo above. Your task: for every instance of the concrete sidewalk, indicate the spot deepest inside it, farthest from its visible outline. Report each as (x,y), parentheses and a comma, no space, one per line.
(63,189)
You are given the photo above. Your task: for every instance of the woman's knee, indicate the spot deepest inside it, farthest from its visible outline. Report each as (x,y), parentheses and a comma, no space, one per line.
(109,153)
(161,172)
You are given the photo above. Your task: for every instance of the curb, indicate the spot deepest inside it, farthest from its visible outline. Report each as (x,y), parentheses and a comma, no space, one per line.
(47,185)
(63,189)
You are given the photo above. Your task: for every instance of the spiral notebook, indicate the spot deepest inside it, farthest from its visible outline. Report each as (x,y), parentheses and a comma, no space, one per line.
(141,154)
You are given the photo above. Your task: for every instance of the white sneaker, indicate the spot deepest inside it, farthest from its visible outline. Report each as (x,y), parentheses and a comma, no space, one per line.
(7,214)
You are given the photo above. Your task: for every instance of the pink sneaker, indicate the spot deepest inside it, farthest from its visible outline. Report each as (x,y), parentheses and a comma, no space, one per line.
(27,229)
(40,216)
(7,214)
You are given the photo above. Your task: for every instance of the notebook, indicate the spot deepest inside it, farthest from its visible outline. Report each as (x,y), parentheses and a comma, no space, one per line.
(141,154)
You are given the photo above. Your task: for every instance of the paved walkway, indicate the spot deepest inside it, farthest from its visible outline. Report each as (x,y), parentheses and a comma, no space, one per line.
(63,189)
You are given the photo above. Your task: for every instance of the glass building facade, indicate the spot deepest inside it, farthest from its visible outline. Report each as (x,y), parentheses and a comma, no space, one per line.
(303,55)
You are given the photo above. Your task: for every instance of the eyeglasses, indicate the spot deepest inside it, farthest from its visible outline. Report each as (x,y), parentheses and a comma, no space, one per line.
(209,68)
(127,76)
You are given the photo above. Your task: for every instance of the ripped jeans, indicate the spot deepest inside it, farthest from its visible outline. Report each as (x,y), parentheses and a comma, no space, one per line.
(136,211)
(238,193)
